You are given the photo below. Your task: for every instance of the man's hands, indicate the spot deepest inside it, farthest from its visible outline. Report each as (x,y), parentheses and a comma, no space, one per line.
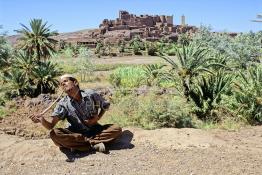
(92,121)
(37,118)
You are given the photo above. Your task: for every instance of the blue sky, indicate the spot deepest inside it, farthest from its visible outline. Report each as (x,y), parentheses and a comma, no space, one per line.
(73,15)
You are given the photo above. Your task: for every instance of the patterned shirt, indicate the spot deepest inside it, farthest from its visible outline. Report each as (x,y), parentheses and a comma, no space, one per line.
(76,112)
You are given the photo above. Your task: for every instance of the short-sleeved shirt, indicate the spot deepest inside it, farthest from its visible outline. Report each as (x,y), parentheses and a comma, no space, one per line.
(76,112)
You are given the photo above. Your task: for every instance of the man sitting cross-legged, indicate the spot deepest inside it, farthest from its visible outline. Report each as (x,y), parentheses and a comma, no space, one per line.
(82,109)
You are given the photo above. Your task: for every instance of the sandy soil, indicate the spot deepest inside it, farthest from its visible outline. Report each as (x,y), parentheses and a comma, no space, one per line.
(162,151)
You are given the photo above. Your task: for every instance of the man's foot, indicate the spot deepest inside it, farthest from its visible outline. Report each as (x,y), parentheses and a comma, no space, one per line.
(69,154)
(100,147)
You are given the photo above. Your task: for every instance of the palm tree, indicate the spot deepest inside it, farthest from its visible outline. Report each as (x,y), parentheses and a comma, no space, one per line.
(36,41)
(44,77)
(25,63)
(207,91)
(192,60)
(248,93)
(27,77)
(16,83)
(5,52)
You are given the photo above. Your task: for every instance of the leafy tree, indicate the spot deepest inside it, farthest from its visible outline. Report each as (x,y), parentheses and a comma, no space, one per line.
(137,44)
(101,49)
(163,44)
(98,47)
(5,52)
(247,47)
(136,49)
(121,46)
(184,39)
(37,40)
(24,63)
(151,48)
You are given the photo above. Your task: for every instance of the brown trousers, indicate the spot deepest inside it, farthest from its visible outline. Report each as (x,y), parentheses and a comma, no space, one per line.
(68,139)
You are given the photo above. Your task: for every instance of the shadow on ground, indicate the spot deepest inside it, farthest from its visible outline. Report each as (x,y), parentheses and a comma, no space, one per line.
(123,142)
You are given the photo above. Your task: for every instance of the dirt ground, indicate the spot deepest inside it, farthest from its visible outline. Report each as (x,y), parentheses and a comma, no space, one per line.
(26,148)
(163,151)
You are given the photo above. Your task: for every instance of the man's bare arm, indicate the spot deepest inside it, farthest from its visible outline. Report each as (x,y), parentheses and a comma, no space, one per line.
(47,124)
(50,125)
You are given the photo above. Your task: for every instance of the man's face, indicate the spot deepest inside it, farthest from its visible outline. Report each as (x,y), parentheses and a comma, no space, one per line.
(68,85)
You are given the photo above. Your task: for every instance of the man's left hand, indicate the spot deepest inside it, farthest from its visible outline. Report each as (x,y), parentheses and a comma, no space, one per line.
(92,121)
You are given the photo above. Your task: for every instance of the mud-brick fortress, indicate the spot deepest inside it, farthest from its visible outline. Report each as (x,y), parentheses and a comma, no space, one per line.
(147,26)
(126,27)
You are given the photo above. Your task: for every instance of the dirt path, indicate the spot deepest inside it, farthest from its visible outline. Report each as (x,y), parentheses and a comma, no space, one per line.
(162,151)
(128,60)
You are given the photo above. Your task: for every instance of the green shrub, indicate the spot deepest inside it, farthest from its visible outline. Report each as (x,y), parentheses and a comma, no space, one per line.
(108,67)
(127,77)
(85,68)
(246,99)
(171,52)
(2,99)
(207,91)
(3,112)
(151,111)
(6,52)
(163,111)
(44,77)
(153,73)
(137,45)
(242,49)
(30,77)
(151,49)
(67,52)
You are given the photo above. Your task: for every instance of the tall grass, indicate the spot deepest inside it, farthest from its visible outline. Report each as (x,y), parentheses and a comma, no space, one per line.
(128,77)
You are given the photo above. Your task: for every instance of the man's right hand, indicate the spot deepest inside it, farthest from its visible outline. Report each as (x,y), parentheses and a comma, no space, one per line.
(39,118)
(36,118)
